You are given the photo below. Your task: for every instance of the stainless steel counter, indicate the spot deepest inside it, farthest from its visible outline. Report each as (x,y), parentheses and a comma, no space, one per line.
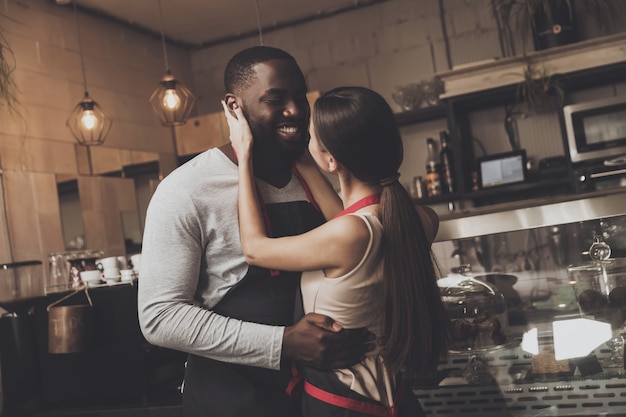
(531,214)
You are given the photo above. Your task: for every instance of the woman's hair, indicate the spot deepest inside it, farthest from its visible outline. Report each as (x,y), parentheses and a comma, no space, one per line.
(357,126)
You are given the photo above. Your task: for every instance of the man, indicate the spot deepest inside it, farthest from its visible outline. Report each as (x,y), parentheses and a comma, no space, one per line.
(196,292)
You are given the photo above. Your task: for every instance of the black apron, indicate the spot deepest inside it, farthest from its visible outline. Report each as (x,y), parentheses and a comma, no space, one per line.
(221,389)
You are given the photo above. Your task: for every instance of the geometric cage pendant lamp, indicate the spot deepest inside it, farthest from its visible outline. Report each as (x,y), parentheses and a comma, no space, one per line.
(172,102)
(88,122)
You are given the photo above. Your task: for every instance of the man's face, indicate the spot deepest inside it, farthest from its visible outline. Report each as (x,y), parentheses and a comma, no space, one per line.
(277,109)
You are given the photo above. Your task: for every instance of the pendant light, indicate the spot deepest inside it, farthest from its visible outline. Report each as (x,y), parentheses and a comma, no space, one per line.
(172,102)
(88,122)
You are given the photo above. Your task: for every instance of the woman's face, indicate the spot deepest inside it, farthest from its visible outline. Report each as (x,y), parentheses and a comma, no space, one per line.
(317,150)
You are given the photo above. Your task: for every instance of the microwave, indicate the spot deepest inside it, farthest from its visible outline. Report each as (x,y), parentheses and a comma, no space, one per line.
(596,130)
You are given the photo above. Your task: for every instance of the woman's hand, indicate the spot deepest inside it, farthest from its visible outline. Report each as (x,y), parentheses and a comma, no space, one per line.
(240,134)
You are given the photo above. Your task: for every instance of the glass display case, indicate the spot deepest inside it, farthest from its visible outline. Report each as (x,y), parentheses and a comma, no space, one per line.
(553,353)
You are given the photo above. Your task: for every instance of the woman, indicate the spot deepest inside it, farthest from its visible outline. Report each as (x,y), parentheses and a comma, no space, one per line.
(369,266)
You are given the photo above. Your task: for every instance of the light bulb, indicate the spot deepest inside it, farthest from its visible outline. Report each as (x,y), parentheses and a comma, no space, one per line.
(171,100)
(88,120)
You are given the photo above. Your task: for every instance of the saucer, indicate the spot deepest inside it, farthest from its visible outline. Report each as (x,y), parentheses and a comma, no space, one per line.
(113,280)
(91,283)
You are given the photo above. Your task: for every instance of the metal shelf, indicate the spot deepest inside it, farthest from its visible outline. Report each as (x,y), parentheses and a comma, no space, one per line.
(421,115)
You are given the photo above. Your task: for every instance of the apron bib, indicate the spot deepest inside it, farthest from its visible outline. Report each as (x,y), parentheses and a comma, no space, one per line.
(214,388)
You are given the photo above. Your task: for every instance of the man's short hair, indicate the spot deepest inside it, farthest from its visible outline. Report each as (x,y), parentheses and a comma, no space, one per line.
(239,74)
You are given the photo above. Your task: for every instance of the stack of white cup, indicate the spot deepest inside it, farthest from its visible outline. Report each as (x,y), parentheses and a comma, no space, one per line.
(131,274)
(128,275)
(110,269)
(136,261)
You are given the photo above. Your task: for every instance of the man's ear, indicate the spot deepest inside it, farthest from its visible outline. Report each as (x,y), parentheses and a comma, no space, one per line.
(230,100)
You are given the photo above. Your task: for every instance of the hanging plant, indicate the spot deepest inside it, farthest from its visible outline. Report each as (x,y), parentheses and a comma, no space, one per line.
(539,92)
(8,88)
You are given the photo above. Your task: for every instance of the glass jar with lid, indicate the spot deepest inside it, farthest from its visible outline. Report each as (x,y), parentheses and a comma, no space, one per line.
(477,310)
(600,285)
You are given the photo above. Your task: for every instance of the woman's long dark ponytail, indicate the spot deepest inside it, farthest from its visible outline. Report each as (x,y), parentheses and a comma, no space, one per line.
(415,323)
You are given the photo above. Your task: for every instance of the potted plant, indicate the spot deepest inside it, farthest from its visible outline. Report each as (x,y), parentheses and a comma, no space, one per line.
(549,23)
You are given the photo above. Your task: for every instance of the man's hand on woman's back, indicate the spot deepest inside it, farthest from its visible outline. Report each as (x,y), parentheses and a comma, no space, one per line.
(317,341)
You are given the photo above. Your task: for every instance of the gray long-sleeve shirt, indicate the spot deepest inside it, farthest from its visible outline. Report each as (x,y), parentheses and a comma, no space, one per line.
(192,256)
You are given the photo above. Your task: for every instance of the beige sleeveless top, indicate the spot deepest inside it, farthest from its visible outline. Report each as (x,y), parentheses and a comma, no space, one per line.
(355,300)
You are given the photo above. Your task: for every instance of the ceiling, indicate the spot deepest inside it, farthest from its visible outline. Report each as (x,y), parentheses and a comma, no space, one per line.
(198,23)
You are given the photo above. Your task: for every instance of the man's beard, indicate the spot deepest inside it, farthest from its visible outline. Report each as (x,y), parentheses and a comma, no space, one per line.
(267,142)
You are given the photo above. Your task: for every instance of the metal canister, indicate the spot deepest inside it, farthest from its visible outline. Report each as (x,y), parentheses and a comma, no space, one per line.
(69,327)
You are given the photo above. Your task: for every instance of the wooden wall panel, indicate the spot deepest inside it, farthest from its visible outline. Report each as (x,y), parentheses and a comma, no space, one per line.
(5,243)
(103,200)
(24,154)
(34,218)
(33,212)
(201,133)
(105,159)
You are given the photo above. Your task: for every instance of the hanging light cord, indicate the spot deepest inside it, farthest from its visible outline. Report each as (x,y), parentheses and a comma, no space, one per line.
(258,21)
(80,50)
(167,67)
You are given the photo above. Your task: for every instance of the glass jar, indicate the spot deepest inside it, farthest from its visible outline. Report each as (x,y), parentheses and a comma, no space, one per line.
(477,310)
(58,277)
(600,285)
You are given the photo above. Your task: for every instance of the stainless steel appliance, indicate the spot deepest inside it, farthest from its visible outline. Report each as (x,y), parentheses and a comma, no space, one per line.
(596,130)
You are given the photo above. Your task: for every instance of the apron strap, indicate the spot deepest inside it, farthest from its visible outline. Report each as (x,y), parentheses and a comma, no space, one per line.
(355,405)
(294,382)
(307,190)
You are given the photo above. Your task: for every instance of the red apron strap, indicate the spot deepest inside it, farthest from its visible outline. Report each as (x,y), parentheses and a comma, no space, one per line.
(398,397)
(307,190)
(295,380)
(348,403)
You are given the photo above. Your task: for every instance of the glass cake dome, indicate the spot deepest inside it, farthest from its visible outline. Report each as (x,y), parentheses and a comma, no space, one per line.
(477,310)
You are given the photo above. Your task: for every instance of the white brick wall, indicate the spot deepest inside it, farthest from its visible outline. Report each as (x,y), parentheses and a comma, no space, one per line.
(390,39)
(123,67)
